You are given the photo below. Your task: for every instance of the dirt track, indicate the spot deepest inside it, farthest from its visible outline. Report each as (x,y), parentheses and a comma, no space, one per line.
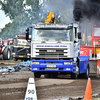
(13,86)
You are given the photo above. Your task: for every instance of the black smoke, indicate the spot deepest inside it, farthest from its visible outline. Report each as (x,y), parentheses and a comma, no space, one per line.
(86,8)
(77,14)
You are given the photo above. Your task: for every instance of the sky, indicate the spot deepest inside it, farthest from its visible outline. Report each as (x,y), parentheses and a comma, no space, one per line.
(3,19)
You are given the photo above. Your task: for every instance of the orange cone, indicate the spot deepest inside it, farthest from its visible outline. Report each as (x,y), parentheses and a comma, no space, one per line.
(88,92)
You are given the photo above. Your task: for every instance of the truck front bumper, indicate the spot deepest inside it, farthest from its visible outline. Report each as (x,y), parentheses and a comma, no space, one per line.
(53,66)
(19,56)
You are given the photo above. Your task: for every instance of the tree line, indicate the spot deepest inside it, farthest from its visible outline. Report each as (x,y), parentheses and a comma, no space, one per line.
(25,12)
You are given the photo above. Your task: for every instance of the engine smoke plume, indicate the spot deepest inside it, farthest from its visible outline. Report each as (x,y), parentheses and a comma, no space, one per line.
(86,8)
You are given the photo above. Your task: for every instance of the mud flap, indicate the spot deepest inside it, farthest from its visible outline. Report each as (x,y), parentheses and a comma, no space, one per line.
(98,68)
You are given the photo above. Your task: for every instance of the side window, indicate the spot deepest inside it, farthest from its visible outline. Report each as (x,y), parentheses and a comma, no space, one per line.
(75,32)
(30,31)
(14,41)
(33,34)
(71,35)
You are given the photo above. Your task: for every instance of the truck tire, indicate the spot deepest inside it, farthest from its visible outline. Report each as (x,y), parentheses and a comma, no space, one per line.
(1,58)
(11,58)
(6,54)
(37,74)
(86,75)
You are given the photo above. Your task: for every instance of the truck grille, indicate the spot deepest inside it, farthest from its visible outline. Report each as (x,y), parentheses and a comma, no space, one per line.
(51,68)
(58,53)
(21,51)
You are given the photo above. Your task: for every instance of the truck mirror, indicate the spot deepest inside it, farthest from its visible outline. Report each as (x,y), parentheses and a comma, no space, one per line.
(79,35)
(27,34)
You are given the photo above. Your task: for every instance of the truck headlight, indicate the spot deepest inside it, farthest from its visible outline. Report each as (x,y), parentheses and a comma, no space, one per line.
(34,68)
(13,53)
(29,54)
(67,63)
(67,68)
(35,63)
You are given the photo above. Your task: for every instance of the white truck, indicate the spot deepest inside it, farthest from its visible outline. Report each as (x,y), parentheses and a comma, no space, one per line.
(55,49)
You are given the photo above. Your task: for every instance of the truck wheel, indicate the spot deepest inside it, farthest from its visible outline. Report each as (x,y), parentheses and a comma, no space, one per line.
(37,75)
(6,54)
(1,58)
(86,75)
(11,58)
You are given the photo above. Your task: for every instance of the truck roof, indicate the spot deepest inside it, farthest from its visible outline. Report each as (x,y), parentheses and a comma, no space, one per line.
(10,39)
(54,26)
(20,37)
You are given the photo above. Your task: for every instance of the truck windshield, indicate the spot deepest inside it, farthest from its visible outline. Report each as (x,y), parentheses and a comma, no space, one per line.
(10,42)
(52,35)
(96,31)
(20,42)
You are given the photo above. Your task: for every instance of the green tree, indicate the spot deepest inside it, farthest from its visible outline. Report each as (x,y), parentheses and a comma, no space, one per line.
(12,8)
(21,13)
(24,12)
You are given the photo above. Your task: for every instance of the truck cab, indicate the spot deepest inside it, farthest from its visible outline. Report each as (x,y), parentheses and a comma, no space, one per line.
(21,48)
(54,41)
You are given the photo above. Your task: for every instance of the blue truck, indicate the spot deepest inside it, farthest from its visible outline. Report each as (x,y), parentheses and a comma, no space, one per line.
(55,49)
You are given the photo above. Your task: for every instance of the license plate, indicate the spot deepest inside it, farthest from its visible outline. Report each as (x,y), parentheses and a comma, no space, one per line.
(21,47)
(51,50)
(20,56)
(51,66)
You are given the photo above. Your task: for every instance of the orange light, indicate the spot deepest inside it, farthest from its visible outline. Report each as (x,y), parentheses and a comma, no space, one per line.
(50,18)
(21,35)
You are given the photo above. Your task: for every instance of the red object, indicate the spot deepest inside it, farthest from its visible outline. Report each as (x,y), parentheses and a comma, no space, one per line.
(88,92)
(98,64)
(10,39)
(21,36)
(98,67)
(85,50)
(5,42)
(0,50)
